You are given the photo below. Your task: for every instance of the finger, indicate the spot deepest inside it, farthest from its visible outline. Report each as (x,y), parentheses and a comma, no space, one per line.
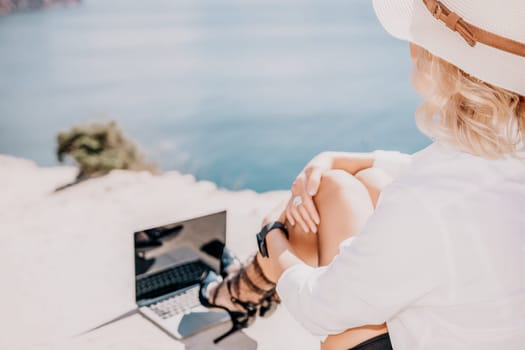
(299,219)
(306,217)
(312,184)
(299,183)
(289,216)
(312,210)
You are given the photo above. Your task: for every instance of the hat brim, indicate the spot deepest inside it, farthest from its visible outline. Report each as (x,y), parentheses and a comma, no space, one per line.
(410,20)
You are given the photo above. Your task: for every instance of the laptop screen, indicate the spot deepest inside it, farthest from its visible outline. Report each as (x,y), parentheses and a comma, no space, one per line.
(163,253)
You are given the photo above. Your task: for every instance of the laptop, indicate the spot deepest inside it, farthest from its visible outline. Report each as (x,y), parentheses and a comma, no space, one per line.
(169,262)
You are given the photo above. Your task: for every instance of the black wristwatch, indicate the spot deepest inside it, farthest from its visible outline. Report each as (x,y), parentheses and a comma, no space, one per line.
(261,236)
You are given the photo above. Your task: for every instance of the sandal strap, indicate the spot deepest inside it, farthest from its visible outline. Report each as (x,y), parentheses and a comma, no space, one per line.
(235,281)
(249,307)
(260,272)
(244,276)
(213,297)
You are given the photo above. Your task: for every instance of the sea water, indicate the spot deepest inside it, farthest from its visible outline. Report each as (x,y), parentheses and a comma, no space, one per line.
(239,92)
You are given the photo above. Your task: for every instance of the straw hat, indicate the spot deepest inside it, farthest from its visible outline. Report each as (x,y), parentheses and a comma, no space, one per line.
(485,38)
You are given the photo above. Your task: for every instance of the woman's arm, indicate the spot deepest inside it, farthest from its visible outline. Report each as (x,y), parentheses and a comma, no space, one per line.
(393,162)
(351,162)
(395,259)
(307,182)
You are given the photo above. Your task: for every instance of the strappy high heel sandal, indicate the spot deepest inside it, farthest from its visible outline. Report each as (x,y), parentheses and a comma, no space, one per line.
(264,306)
(231,265)
(240,319)
(268,301)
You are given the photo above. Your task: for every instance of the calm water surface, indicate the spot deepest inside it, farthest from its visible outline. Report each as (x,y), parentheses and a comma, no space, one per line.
(239,92)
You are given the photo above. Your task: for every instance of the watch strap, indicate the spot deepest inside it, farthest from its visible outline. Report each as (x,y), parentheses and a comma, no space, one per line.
(273,225)
(261,236)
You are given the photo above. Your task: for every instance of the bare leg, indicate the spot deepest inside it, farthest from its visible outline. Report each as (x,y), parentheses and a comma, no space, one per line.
(344,203)
(358,208)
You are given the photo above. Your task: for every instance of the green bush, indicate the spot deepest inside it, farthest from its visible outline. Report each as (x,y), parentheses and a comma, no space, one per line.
(99,148)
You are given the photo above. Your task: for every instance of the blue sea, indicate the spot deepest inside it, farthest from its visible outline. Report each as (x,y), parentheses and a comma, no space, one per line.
(239,92)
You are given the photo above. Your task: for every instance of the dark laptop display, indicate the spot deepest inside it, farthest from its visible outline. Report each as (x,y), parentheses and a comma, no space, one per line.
(172,257)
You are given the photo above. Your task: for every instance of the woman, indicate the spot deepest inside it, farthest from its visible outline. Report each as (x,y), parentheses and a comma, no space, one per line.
(424,251)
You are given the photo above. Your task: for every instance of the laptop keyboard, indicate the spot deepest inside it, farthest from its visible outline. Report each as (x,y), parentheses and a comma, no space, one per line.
(170,280)
(179,303)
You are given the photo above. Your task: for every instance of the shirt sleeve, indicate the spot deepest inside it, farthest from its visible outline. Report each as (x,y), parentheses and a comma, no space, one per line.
(395,259)
(392,162)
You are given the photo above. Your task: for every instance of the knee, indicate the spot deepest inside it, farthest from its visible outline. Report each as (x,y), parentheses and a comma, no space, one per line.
(371,174)
(336,183)
(365,174)
(374,179)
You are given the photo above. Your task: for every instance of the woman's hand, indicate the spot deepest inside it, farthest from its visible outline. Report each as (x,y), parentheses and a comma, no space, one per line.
(301,207)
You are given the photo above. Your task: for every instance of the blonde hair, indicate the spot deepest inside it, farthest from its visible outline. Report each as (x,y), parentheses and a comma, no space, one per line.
(465,112)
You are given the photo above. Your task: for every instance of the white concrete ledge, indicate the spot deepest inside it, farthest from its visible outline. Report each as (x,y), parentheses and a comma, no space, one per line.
(67,259)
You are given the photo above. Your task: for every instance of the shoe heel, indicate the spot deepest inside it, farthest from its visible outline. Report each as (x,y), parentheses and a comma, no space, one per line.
(267,310)
(235,328)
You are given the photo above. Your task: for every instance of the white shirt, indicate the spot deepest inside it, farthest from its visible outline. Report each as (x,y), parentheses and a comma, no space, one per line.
(441,260)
